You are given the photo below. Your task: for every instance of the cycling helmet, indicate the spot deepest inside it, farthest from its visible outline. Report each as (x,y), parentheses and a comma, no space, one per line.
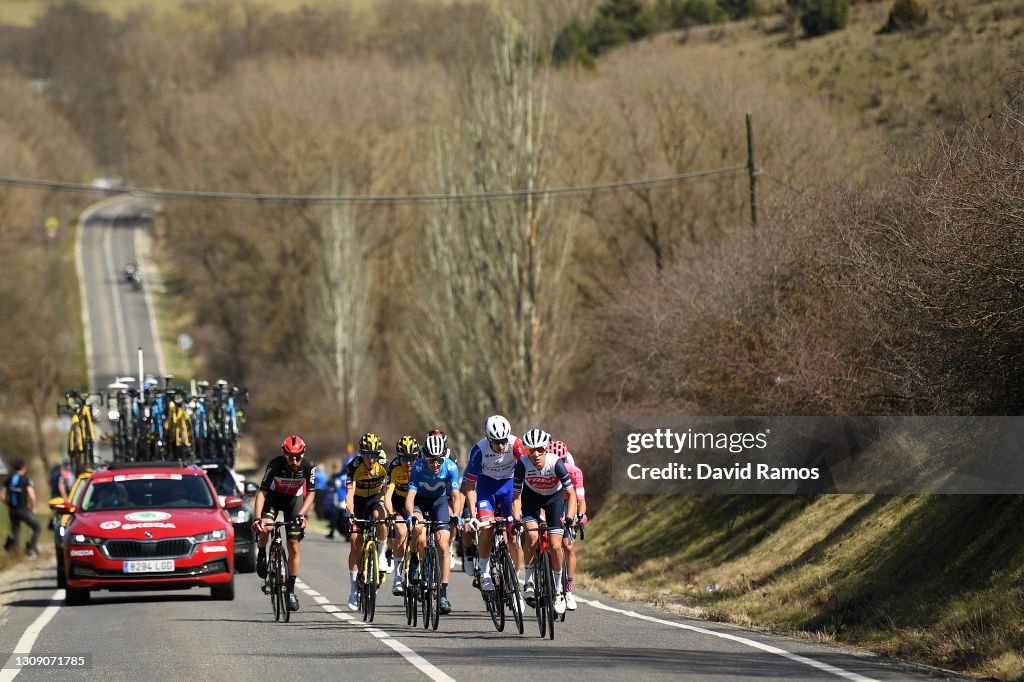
(434,446)
(439,432)
(536,438)
(497,428)
(370,444)
(406,447)
(557,447)
(293,445)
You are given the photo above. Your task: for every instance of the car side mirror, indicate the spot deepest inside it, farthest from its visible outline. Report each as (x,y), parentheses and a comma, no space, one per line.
(62,507)
(251,488)
(233,502)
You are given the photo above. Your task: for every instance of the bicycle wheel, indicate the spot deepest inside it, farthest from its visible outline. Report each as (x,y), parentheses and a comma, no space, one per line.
(564,583)
(272,576)
(369,581)
(424,590)
(510,587)
(434,582)
(282,579)
(549,594)
(495,599)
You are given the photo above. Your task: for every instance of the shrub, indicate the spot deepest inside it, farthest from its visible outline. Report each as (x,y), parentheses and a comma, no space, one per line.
(738,9)
(905,15)
(819,17)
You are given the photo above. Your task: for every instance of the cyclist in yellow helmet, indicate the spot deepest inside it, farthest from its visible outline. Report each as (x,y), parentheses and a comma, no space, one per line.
(364,499)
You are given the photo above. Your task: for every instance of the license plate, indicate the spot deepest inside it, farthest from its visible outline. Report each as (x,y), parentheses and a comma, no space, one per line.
(155,566)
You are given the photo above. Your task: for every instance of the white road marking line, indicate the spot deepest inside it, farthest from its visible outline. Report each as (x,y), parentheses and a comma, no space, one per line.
(321,600)
(824,667)
(28,638)
(420,663)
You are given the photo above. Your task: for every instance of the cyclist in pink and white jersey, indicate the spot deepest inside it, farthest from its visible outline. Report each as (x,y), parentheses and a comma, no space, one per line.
(576,476)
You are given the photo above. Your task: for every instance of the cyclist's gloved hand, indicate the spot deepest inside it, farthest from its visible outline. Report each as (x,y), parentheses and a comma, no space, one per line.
(390,518)
(458,520)
(582,519)
(473,523)
(257,526)
(300,521)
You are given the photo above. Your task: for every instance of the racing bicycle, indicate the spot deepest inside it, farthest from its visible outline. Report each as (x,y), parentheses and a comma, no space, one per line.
(276,584)
(544,583)
(504,577)
(426,586)
(370,576)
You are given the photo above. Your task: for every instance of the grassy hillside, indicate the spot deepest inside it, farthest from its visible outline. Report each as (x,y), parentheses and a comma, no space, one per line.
(936,579)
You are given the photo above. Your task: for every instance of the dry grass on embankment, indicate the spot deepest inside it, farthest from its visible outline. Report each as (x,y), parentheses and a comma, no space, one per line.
(936,579)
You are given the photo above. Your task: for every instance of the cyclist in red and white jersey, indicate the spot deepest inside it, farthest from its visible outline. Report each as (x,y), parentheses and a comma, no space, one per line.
(541,482)
(288,486)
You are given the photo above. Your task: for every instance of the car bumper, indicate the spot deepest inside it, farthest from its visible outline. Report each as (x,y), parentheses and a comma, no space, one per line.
(112,577)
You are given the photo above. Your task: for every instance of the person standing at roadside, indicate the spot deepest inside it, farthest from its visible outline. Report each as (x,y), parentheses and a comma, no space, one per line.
(20,496)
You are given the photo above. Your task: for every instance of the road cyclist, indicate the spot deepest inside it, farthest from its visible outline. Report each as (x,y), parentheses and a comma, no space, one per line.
(434,495)
(364,499)
(489,487)
(287,487)
(399,470)
(541,482)
(559,449)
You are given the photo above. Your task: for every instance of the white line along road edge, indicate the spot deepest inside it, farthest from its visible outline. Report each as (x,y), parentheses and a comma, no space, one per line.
(28,638)
(824,667)
(421,664)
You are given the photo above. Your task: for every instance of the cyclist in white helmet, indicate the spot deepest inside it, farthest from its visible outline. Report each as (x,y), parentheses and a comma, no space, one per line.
(492,462)
(542,483)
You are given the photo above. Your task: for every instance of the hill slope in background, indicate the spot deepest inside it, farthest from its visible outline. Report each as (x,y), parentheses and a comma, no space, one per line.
(938,579)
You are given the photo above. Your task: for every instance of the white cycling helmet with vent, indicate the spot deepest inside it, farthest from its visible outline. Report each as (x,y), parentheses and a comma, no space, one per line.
(536,438)
(434,446)
(497,428)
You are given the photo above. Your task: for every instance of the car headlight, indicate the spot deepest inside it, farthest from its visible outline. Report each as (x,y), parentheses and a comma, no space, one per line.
(80,539)
(243,515)
(212,536)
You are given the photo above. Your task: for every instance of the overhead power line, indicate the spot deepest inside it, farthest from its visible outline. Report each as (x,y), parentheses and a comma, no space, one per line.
(367,198)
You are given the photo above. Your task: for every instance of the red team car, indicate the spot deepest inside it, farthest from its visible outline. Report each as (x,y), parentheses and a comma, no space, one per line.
(156,527)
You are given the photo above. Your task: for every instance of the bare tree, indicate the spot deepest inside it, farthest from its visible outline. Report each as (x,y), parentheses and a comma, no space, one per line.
(493,292)
(341,321)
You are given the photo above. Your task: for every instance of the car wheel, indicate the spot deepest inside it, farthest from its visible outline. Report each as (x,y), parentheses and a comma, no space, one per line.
(225,592)
(74,597)
(62,578)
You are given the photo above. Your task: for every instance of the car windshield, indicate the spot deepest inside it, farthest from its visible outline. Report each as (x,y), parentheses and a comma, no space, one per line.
(148,492)
(222,480)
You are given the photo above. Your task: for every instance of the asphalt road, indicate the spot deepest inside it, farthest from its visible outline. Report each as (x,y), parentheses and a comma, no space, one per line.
(176,635)
(117,316)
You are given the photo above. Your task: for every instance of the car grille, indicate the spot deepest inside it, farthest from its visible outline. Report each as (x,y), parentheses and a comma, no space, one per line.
(143,549)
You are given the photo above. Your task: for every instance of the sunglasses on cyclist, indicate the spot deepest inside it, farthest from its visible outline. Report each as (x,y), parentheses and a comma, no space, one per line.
(436,461)
(294,458)
(536,451)
(500,442)
(407,458)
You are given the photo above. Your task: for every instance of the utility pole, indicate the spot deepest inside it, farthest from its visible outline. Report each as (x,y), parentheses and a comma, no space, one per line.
(753,171)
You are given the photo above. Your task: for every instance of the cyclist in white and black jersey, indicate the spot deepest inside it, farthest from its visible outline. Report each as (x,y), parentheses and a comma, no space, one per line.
(541,481)
(288,486)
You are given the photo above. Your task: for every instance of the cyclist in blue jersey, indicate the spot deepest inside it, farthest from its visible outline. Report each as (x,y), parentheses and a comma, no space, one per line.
(434,494)
(489,487)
